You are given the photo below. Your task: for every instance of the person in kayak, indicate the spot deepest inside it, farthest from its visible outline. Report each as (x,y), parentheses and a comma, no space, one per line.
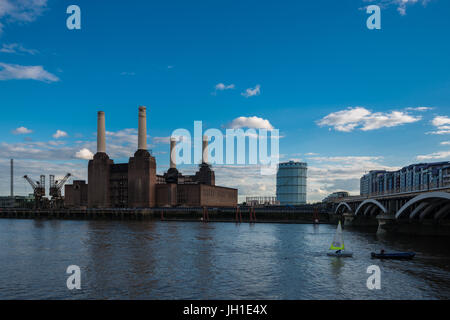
(382,251)
(338,252)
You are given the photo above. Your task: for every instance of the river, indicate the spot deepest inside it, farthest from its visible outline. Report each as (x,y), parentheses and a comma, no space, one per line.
(190,260)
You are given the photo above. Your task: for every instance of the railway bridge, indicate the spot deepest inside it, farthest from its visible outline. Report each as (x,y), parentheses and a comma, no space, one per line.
(423,211)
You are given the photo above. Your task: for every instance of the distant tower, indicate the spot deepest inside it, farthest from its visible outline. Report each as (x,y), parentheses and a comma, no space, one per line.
(12,178)
(291,183)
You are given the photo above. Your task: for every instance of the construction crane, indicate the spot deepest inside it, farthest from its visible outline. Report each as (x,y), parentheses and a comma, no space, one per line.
(38,190)
(57,200)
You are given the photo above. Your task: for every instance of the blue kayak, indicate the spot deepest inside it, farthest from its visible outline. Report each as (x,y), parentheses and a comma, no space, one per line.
(397,255)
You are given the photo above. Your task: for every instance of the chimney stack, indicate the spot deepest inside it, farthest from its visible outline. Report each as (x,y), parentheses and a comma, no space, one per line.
(101,134)
(173,156)
(12,178)
(205,150)
(142,140)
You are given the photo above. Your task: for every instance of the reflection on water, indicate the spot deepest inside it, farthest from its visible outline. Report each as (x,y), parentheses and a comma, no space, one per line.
(336,266)
(188,260)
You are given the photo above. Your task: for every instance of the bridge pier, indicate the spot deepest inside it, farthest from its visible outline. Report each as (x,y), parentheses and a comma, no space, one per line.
(350,220)
(411,227)
(387,223)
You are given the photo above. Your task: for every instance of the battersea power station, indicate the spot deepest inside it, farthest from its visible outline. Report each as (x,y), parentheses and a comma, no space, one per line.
(136,185)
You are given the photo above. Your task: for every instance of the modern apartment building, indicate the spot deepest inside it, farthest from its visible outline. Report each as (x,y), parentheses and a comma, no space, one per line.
(416,177)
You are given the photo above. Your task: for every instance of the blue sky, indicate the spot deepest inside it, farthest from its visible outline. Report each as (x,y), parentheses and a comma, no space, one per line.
(345,99)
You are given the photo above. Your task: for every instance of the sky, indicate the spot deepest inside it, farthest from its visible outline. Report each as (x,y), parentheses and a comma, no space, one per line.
(344,98)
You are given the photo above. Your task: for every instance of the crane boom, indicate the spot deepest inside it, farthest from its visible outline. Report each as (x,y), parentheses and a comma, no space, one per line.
(31,182)
(61,183)
(38,186)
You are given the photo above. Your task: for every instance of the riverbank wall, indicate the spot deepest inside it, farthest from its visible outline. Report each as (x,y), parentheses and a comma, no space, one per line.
(252,215)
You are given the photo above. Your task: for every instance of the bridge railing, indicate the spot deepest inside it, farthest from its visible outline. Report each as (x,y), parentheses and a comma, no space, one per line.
(410,189)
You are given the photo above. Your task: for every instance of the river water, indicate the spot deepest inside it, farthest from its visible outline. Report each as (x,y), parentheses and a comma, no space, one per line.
(190,260)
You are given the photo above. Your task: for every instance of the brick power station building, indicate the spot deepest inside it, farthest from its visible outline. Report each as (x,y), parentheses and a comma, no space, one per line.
(136,185)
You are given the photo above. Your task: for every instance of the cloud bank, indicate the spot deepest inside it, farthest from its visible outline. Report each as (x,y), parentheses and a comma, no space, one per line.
(361,118)
(21,11)
(401,5)
(18,72)
(442,124)
(22,130)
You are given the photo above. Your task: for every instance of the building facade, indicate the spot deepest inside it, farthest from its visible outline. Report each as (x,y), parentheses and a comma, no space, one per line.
(136,185)
(17,201)
(291,183)
(416,177)
(336,195)
(262,201)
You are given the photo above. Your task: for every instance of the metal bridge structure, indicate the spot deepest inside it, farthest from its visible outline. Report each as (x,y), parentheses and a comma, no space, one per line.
(412,208)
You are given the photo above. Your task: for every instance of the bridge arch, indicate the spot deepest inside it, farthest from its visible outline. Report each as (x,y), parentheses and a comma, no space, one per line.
(343,204)
(426,196)
(371,202)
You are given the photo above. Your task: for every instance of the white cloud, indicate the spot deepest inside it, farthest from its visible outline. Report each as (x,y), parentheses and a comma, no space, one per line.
(252,92)
(222,87)
(445,143)
(21,11)
(85,154)
(442,124)
(441,121)
(161,140)
(125,136)
(400,4)
(22,130)
(441,130)
(35,150)
(18,72)
(16,48)
(345,120)
(421,109)
(60,134)
(434,156)
(127,73)
(395,118)
(347,159)
(250,122)
(365,120)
